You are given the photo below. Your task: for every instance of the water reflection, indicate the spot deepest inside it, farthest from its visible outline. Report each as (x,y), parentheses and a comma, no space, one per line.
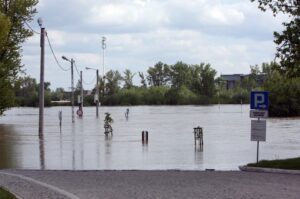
(83,145)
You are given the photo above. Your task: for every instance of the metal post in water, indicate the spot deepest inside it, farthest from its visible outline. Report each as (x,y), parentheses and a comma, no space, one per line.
(81,92)
(97,91)
(72,88)
(60,119)
(146,136)
(143,136)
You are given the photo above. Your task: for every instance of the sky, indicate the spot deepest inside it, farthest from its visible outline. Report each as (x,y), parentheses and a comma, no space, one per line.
(231,35)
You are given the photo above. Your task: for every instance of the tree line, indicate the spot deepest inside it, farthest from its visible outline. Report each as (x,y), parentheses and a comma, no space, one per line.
(162,84)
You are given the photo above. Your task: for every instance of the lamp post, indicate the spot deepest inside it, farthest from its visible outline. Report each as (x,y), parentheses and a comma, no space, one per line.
(41,93)
(72,84)
(97,89)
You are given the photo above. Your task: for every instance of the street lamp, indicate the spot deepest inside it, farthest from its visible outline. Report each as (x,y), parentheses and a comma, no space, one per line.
(72,84)
(97,89)
(41,89)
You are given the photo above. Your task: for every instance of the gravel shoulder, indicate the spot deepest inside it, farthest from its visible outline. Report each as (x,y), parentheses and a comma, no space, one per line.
(155,184)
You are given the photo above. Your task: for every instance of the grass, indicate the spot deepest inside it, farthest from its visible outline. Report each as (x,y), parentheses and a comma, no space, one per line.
(6,195)
(292,164)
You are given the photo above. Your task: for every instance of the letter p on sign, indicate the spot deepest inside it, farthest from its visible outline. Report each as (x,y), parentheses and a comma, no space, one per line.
(259,100)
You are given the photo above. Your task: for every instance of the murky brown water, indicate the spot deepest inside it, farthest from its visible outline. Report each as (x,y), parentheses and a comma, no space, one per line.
(83,145)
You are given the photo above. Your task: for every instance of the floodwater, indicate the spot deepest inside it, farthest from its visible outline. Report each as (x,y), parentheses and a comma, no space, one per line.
(83,146)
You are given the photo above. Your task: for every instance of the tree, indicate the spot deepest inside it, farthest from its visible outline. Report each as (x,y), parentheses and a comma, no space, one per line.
(13,15)
(288,42)
(180,75)
(113,81)
(159,75)
(128,76)
(207,76)
(143,80)
(5,82)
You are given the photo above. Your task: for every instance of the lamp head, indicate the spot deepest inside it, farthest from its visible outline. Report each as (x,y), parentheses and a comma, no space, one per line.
(64,58)
(40,22)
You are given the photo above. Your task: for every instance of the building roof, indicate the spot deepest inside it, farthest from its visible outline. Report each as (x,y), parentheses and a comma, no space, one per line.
(233,77)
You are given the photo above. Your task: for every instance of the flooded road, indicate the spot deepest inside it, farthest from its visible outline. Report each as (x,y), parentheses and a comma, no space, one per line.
(83,146)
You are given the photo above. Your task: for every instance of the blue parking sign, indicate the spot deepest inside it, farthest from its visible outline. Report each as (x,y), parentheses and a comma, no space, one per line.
(259,100)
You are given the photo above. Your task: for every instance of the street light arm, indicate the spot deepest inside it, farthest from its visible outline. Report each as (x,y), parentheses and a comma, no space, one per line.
(88,68)
(64,58)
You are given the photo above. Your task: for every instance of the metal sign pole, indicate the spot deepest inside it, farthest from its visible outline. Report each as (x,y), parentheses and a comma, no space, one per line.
(257,155)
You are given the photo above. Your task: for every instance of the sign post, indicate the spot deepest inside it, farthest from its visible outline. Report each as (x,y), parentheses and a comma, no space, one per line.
(259,109)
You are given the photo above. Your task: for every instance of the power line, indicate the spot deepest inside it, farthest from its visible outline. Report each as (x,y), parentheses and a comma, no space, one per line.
(55,55)
(77,70)
(89,82)
(82,79)
(31,28)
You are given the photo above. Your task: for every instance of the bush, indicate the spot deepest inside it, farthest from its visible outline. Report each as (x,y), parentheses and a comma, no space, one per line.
(284,95)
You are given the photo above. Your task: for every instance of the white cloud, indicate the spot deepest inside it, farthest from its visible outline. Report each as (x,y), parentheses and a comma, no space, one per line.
(222,15)
(231,35)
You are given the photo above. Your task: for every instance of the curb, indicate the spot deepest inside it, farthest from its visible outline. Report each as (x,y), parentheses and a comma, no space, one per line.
(268,170)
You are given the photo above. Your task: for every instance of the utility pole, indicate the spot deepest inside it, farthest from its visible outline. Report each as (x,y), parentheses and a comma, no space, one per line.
(41,93)
(97,91)
(72,88)
(103,72)
(81,91)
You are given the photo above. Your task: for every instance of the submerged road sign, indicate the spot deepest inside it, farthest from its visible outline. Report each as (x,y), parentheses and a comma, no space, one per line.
(259,100)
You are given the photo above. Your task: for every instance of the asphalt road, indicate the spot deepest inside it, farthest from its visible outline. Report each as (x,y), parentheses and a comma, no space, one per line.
(150,184)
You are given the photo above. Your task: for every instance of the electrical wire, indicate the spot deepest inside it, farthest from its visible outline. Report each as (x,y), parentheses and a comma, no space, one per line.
(55,55)
(83,79)
(31,28)
(89,82)
(77,70)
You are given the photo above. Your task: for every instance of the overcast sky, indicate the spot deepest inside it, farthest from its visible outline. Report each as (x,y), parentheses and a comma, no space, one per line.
(231,35)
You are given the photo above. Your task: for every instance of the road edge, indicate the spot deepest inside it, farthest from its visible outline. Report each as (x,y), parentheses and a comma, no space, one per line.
(268,170)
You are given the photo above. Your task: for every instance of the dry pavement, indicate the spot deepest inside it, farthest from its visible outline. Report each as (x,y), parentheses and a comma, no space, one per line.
(150,184)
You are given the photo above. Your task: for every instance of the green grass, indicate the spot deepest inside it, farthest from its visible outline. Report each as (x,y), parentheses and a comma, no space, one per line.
(292,163)
(6,195)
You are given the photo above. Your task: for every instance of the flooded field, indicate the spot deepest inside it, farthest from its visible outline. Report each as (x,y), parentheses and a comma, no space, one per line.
(83,146)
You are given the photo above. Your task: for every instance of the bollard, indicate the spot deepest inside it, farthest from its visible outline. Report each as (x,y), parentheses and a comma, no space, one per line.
(146,136)
(198,135)
(60,119)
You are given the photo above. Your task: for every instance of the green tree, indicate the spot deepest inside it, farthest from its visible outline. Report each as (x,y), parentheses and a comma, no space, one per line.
(203,79)
(288,42)
(159,75)
(6,92)
(113,80)
(143,80)
(284,95)
(13,15)
(127,78)
(26,91)
(180,75)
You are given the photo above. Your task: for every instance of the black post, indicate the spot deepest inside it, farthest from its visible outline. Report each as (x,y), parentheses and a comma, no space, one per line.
(41,94)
